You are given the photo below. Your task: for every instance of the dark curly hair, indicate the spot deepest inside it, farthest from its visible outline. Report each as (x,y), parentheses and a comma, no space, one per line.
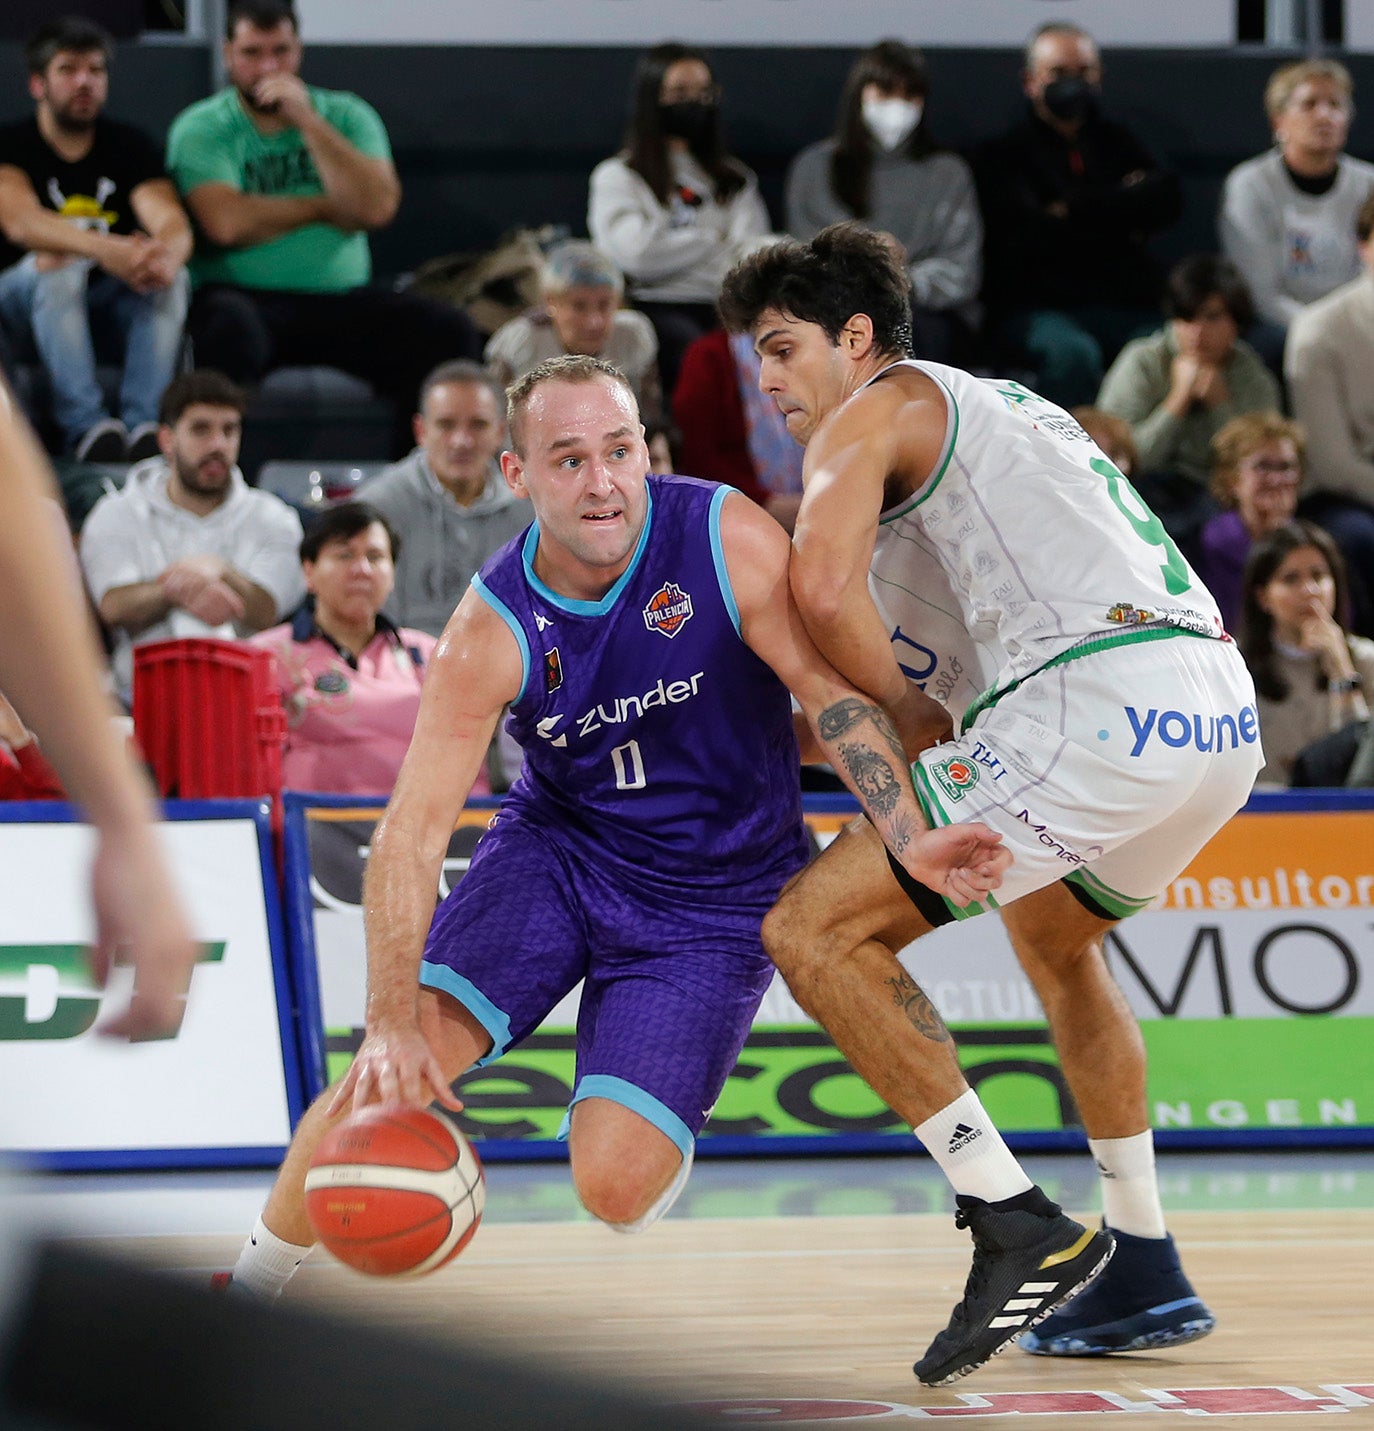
(844,270)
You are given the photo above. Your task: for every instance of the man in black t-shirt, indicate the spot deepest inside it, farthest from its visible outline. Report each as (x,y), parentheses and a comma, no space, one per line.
(93,247)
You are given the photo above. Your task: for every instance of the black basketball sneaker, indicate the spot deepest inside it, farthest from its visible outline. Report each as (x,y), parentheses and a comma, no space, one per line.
(1028,1257)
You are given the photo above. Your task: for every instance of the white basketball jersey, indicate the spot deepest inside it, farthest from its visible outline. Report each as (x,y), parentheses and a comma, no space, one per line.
(1025,541)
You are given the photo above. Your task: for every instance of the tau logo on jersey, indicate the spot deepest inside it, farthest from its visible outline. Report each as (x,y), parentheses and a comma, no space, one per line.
(553,670)
(669,610)
(955,777)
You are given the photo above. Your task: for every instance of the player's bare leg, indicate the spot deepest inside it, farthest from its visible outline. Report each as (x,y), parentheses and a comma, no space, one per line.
(833,935)
(1144,1299)
(622,1166)
(1097,1037)
(283,1236)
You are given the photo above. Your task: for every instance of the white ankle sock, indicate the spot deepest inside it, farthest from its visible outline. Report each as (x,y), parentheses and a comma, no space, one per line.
(266,1263)
(970,1151)
(1130,1190)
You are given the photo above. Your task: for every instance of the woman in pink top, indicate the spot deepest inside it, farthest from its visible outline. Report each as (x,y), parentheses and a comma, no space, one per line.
(350,678)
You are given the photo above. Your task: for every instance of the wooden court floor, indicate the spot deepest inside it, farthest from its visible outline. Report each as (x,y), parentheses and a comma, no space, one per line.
(816,1320)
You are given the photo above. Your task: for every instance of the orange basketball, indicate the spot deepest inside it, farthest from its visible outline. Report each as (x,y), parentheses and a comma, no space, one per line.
(395,1191)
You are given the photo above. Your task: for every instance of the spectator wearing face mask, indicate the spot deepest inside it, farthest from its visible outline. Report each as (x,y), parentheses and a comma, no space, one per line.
(675,209)
(1069,199)
(883,168)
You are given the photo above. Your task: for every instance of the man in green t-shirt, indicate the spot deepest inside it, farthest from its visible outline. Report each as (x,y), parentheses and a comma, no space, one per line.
(284,182)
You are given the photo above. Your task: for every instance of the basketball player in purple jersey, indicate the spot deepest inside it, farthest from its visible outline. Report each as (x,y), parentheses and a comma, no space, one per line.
(643,635)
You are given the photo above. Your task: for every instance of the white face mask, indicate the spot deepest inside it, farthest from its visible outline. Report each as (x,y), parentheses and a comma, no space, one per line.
(890,121)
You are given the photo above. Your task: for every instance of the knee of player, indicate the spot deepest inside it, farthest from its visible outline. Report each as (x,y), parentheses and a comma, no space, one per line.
(781,934)
(1049,959)
(611,1195)
(794,939)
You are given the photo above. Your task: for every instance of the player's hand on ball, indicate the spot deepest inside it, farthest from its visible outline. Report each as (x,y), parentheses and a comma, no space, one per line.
(395,1064)
(962,862)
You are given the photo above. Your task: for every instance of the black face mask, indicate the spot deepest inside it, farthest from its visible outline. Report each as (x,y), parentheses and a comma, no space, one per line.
(688,119)
(1071,99)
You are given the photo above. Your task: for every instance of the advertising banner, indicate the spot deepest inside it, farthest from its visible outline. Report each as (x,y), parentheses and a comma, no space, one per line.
(1251,976)
(225,1090)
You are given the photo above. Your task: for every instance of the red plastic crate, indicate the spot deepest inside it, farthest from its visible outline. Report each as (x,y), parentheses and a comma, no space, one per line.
(208,717)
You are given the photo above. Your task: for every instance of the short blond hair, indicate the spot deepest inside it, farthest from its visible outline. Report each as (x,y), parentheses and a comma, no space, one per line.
(1242,436)
(567,368)
(1283,83)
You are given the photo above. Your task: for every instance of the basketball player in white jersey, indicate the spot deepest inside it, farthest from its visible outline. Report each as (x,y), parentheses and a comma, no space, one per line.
(965,536)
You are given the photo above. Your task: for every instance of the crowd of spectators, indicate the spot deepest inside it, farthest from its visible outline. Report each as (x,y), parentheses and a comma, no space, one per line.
(1233,391)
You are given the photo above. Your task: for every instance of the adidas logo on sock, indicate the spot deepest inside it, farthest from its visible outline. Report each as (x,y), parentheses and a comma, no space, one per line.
(962,1136)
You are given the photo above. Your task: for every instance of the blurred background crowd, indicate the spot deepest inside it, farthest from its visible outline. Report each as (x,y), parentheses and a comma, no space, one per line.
(265,436)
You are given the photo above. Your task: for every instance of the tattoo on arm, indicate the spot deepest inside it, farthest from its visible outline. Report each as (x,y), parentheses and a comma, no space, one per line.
(908,995)
(839,719)
(873,776)
(843,716)
(899,833)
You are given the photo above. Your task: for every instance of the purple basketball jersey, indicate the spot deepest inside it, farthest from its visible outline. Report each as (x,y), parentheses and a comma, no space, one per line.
(653,736)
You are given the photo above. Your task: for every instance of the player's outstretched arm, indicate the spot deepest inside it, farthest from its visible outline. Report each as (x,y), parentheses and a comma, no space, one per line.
(849,461)
(474,673)
(50,668)
(852,729)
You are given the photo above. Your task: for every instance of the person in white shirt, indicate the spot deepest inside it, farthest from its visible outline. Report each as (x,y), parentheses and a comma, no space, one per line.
(186,547)
(674,209)
(1288,216)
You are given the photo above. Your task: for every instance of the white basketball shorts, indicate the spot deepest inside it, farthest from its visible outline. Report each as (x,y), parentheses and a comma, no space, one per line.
(1110,769)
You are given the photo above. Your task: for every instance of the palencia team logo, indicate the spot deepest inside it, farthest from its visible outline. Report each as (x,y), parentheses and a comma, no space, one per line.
(669,610)
(955,777)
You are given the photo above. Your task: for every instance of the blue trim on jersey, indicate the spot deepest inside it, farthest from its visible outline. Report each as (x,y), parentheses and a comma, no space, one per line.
(497,1024)
(571,604)
(718,557)
(517,630)
(633,1097)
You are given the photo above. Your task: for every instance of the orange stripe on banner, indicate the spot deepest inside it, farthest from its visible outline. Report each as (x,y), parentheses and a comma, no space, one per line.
(1297,860)
(466,816)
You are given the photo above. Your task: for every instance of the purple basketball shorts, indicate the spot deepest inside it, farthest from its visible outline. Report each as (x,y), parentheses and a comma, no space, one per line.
(671,984)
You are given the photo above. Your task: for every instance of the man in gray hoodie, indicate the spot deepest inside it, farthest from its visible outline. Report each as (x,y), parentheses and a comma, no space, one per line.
(448,500)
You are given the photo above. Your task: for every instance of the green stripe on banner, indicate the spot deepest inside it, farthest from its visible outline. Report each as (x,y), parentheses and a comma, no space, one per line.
(1206,1074)
(1261,1073)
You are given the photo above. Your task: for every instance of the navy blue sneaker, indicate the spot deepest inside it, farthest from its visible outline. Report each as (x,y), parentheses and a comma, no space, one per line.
(1142,1301)
(1028,1257)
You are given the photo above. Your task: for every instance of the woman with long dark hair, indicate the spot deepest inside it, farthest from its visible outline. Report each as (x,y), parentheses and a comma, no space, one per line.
(882,167)
(1310,673)
(675,208)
